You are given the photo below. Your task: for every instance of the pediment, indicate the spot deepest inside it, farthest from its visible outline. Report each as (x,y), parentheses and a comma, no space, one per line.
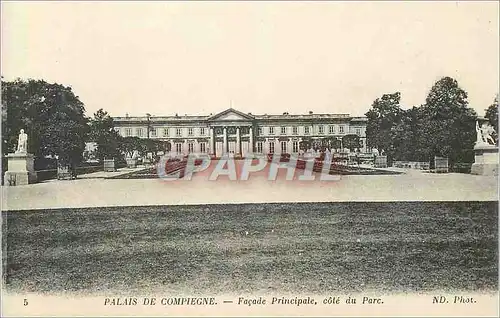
(231,115)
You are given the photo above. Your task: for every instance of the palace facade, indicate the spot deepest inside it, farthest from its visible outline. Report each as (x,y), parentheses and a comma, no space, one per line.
(232,131)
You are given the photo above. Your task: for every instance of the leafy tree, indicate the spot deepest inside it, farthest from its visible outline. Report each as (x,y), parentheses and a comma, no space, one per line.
(404,135)
(447,125)
(492,115)
(128,145)
(52,116)
(351,142)
(104,135)
(384,115)
(305,143)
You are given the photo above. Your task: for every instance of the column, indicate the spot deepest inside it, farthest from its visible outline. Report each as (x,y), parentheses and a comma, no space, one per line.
(224,144)
(238,142)
(250,139)
(212,142)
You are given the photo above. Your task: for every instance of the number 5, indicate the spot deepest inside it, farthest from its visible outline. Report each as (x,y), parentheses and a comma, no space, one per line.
(25,302)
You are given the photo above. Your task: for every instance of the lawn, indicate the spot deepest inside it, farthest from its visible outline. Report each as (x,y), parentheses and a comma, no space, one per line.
(254,248)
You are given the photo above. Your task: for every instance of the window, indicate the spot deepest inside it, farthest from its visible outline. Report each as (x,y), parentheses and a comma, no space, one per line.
(178,132)
(202,131)
(259,146)
(341,129)
(117,129)
(260,130)
(178,147)
(321,129)
(295,146)
(283,147)
(271,147)
(306,130)
(190,131)
(165,132)
(283,130)
(190,147)
(295,130)
(271,130)
(153,132)
(358,131)
(139,132)
(203,147)
(128,132)
(331,129)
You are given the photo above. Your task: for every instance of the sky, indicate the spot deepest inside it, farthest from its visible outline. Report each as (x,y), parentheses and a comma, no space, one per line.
(198,58)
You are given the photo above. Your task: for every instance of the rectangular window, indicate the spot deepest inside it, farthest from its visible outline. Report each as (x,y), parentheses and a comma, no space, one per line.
(178,147)
(139,132)
(271,147)
(295,146)
(260,131)
(203,147)
(202,131)
(178,132)
(259,146)
(283,130)
(341,129)
(321,129)
(190,147)
(271,130)
(283,147)
(358,131)
(331,129)
(190,131)
(153,132)
(128,132)
(165,132)
(295,130)
(306,130)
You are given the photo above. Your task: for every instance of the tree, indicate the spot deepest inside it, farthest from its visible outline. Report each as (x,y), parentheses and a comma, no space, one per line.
(384,115)
(305,143)
(492,115)
(447,125)
(351,142)
(52,116)
(104,135)
(128,145)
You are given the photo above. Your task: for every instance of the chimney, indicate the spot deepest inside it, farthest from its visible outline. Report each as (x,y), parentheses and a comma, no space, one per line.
(310,112)
(126,115)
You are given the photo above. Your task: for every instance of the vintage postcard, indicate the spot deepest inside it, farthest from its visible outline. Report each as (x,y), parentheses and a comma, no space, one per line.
(249,158)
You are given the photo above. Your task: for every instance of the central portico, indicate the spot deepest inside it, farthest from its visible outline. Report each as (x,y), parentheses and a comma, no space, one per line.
(231,131)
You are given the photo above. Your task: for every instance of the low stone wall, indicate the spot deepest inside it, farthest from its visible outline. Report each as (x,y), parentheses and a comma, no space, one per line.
(52,173)
(421,165)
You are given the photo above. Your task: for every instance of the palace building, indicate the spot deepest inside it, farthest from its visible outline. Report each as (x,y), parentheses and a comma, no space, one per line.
(232,131)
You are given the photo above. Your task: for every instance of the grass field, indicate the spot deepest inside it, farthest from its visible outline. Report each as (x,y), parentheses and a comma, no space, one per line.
(306,248)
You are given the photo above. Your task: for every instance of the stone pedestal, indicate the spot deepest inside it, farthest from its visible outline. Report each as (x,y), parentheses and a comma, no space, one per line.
(380,162)
(441,165)
(20,169)
(131,162)
(109,165)
(485,160)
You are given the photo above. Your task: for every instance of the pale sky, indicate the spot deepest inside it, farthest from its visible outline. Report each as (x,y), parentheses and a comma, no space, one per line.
(260,57)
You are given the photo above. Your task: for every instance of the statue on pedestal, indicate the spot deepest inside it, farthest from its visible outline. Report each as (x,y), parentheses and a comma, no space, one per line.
(483,134)
(22,143)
